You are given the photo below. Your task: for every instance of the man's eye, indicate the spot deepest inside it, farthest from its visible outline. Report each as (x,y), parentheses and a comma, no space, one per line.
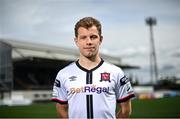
(83,37)
(93,37)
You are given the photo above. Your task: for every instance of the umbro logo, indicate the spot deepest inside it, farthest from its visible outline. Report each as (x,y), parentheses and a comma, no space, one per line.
(73,78)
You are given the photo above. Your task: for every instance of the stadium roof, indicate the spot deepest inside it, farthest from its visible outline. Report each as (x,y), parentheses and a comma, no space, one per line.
(24,50)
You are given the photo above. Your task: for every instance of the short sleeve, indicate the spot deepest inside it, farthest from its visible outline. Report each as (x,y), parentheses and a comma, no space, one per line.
(124,90)
(59,92)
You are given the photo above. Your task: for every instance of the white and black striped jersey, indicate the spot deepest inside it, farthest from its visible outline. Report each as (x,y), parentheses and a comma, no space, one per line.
(91,93)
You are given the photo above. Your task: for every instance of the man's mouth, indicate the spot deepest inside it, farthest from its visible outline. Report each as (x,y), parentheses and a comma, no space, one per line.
(89,48)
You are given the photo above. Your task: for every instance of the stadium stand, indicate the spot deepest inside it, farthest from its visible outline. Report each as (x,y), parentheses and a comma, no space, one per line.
(34,67)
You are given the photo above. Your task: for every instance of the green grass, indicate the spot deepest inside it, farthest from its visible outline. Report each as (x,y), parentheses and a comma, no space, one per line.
(166,107)
(159,108)
(32,111)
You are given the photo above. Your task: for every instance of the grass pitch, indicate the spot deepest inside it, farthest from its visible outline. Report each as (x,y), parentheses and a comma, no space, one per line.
(159,108)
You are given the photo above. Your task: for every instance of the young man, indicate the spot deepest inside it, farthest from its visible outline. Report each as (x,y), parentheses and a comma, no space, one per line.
(90,87)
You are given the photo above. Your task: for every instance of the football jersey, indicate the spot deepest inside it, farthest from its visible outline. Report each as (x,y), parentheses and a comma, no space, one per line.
(91,93)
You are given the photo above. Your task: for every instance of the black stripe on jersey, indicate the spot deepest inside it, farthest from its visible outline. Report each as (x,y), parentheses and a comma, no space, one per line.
(89,77)
(89,104)
(89,80)
(89,98)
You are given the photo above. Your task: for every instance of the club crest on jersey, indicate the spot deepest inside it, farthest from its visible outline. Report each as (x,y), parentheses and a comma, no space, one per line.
(105,77)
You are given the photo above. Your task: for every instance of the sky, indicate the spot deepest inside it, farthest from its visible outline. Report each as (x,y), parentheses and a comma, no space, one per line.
(125,32)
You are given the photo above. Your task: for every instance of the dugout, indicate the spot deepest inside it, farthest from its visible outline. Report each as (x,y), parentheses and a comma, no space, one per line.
(33,66)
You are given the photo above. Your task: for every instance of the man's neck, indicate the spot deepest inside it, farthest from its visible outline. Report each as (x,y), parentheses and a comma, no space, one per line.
(89,63)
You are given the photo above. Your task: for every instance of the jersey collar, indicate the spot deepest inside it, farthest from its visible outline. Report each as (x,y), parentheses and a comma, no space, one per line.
(86,70)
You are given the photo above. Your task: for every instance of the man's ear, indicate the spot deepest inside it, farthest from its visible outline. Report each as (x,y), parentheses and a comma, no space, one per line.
(75,40)
(101,39)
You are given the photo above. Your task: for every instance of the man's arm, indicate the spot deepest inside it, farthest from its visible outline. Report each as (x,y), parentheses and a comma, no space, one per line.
(62,110)
(125,110)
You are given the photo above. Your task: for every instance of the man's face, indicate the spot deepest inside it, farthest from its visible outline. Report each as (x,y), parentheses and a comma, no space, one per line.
(88,41)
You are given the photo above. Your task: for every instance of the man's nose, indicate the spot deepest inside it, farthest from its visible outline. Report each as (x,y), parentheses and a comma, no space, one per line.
(89,41)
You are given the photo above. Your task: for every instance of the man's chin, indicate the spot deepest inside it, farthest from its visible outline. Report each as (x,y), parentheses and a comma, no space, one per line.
(90,55)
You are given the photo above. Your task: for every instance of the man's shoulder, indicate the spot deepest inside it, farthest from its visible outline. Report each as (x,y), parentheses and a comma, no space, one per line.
(112,66)
(114,69)
(67,69)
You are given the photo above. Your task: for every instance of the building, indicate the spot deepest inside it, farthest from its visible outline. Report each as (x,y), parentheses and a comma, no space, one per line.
(28,70)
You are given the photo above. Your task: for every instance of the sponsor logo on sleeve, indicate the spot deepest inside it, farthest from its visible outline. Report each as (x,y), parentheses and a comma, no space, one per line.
(57,83)
(129,88)
(124,80)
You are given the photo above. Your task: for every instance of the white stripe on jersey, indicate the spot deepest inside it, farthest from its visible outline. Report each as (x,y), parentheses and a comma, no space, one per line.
(91,93)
